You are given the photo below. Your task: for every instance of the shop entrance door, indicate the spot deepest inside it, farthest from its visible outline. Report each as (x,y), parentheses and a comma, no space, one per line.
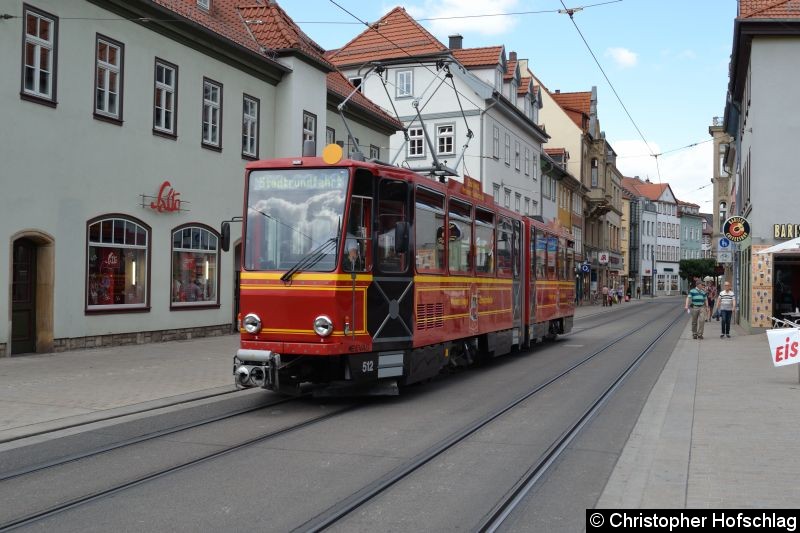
(23,297)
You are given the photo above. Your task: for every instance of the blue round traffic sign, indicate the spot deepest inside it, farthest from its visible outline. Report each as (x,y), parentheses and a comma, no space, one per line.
(585,268)
(724,243)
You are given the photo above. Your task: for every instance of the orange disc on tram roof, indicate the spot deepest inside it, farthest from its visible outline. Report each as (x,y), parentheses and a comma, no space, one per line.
(332,154)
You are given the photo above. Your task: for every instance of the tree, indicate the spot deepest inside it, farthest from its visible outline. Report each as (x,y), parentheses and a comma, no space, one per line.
(696,268)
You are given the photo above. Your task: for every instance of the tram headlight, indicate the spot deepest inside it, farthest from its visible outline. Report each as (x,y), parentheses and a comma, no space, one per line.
(323,326)
(251,323)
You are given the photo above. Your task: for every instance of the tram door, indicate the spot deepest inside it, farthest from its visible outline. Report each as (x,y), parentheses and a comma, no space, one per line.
(518,283)
(390,297)
(23,297)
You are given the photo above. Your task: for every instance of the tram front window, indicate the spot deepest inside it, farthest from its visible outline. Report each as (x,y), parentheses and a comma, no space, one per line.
(294,218)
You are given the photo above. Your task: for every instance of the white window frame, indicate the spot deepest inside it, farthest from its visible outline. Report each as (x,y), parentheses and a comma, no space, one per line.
(330,135)
(416,142)
(496,193)
(251,109)
(405,84)
(108,78)
(517,202)
(204,242)
(374,152)
(516,155)
(38,44)
(166,99)
(211,129)
(204,4)
(445,139)
(309,128)
(507,198)
(357,82)
(496,142)
(508,149)
(527,161)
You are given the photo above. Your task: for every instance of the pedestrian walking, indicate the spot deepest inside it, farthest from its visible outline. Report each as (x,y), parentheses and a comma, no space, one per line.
(638,293)
(697,306)
(711,295)
(726,305)
(605,295)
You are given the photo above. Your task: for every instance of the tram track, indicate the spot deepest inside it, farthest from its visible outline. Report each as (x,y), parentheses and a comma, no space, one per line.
(336,513)
(32,518)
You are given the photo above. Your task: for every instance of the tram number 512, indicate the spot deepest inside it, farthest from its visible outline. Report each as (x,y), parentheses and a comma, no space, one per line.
(363,366)
(368,366)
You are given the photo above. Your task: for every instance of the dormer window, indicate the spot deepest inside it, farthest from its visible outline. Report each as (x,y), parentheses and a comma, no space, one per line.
(498,79)
(204,4)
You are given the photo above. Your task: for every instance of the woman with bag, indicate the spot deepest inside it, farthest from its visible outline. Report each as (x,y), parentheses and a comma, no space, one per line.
(725,306)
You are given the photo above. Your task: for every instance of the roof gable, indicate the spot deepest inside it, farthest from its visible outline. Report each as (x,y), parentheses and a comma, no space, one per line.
(395,35)
(339,85)
(274,29)
(576,105)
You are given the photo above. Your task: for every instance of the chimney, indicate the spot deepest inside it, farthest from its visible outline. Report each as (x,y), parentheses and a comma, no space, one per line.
(456,41)
(558,91)
(512,56)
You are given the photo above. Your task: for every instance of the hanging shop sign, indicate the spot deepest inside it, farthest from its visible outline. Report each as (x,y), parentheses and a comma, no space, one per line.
(167,201)
(736,229)
(786,231)
(602,258)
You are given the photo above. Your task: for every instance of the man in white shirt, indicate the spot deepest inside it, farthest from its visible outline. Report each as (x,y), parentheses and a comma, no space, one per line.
(726,305)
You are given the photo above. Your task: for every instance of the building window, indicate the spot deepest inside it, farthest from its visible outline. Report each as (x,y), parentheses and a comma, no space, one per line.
(517,202)
(108,78)
(330,135)
(444,139)
(416,142)
(165,105)
(527,161)
(527,206)
(212,114)
(496,193)
(405,83)
(508,149)
(195,254)
(496,142)
(250,115)
(118,251)
(374,152)
(356,82)
(204,4)
(594,173)
(507,198)
(516,155)
(40,54)
(723,212)
(309,128)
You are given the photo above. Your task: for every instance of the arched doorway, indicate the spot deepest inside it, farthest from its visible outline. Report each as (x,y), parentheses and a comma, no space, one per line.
(32,275)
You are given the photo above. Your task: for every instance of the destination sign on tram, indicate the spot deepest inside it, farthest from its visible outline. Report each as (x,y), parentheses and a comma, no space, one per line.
(316,179)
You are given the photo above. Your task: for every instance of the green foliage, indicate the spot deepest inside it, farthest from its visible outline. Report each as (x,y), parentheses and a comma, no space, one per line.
(696,268)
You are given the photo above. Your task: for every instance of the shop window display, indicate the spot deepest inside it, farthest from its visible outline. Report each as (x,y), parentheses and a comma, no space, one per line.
(194,267)
(117,273)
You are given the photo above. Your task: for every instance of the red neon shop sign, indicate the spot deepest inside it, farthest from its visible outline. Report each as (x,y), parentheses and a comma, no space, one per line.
(167,199)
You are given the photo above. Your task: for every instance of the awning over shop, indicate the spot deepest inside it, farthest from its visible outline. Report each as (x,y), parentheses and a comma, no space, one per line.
(787,247)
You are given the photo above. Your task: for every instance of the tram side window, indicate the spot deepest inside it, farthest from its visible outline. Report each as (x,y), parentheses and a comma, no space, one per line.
(504,252)
(459,237)
(484,242)
(356,256)
(516,249)
(552,253)
(391,211)
(541,255)
(570,260)
(429,231)
(561,260)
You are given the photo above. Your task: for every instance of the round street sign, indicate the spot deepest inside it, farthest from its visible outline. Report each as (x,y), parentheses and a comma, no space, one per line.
(585,268)
(736,229)
(724,243)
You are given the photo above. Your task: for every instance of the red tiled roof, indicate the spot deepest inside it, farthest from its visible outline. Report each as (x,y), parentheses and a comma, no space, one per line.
(223,19)
(511,69)
(395,35)
(689,204)
(555,151)
(276,30)
(524,85)
(576,105)
(769,9)
(651,191)
(487,56)
(338,84)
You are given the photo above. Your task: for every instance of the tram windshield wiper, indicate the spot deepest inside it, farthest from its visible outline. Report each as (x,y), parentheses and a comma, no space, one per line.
(311,258)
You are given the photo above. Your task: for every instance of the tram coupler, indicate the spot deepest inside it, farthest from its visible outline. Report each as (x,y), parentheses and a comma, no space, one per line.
(256,368)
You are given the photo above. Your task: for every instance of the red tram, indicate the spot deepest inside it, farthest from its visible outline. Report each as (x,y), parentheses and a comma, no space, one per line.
(368,276)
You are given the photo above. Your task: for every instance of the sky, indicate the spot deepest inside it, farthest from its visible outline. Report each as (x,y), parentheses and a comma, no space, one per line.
(666,59)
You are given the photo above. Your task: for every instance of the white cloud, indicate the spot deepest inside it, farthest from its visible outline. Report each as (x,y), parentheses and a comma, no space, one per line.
(688,171)
(687,54)
(464,8)
(623,57)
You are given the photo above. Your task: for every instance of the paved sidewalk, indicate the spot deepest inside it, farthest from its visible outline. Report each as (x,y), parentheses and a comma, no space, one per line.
(51,391)
(719,430)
